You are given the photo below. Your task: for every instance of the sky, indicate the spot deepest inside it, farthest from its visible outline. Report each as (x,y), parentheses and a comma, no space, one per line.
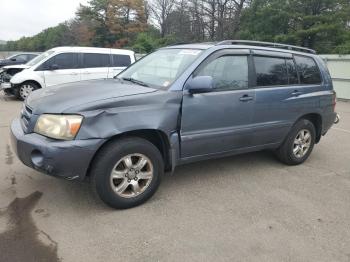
(28,17)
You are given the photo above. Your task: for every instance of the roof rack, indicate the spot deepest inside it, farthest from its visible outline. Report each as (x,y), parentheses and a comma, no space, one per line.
(267,44)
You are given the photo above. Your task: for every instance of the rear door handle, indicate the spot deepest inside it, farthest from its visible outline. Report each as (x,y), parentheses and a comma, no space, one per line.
(246,98)
(296,93)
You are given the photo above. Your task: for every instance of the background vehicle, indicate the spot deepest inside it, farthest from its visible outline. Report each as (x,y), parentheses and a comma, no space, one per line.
(178,105)
(6,73)
(69,64)
(17,59)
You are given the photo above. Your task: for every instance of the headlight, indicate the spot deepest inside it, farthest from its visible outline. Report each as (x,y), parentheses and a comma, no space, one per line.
(63,127)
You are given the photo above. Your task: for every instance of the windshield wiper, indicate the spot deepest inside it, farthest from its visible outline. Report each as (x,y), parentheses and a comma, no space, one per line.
(135,81)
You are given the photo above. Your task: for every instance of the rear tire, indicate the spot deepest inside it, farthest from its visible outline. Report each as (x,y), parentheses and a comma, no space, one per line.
(127,172)
(299,143)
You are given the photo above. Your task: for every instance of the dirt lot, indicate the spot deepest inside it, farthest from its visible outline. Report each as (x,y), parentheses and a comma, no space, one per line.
(243,208)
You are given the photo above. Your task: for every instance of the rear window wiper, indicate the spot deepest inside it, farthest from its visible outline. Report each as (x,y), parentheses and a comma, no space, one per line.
(135,81)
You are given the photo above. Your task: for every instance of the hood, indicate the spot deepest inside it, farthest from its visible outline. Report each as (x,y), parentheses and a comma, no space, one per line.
(16,67)
(60,98)
(5,61)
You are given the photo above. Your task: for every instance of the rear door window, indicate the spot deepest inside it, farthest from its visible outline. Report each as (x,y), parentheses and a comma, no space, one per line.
(270,71)
(308,70)
(121,60)
(91,60)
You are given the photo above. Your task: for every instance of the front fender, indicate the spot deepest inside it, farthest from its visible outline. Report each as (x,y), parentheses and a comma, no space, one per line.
(156,111)
(27,75)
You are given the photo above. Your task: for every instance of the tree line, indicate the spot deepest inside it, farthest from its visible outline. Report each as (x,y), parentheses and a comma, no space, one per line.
(144,25)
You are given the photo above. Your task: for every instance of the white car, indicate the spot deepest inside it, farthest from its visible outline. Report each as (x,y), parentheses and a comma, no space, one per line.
(62,65)
(7,72)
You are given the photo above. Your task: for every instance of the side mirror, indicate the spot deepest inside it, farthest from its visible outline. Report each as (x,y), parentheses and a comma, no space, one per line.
(13,59)
(54,67)
(200,84)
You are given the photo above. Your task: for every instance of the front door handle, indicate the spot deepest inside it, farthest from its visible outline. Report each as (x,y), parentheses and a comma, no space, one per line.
(296,93)
(246,98)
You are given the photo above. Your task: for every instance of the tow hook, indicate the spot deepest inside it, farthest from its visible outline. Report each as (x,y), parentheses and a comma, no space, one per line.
(337,119)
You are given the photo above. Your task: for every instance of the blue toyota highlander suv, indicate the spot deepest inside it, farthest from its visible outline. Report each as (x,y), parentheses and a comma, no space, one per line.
(178,105)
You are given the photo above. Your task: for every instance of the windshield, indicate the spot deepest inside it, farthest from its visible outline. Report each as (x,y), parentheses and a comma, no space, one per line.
(11,56)
(161,68)
(39,58)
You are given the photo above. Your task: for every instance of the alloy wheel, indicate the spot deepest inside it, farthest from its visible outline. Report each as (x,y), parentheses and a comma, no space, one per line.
(132,175)
(302,143)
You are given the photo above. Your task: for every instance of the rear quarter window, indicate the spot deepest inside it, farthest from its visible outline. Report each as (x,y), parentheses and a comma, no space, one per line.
(308,70)
(121,60)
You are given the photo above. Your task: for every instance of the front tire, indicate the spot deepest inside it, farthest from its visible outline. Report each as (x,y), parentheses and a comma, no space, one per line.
(25,89)
(127,172)
(299,143)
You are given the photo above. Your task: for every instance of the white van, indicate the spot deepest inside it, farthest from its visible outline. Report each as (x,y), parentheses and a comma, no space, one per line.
(69,64)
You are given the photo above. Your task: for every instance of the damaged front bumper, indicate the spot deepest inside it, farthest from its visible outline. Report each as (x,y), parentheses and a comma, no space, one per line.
(65,159)
(5,85)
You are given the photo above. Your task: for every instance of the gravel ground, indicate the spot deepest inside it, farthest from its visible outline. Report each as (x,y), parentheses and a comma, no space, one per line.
(242,208)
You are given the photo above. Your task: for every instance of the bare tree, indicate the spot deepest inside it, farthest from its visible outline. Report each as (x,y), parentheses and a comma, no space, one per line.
(179,22)
(160,10)
(238,8)
(222,18)
(210,9)
(198,20)
(196,12)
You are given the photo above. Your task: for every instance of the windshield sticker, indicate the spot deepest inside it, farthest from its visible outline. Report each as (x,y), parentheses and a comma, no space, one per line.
(189,52)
